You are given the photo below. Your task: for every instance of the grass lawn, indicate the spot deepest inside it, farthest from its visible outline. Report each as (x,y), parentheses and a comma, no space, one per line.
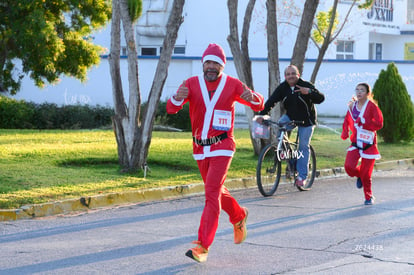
(40,166)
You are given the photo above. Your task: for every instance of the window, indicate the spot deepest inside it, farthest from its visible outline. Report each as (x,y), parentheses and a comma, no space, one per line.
(344,49)
(124,51)
(179,50)
(375,51)
(378,51)
(148,51)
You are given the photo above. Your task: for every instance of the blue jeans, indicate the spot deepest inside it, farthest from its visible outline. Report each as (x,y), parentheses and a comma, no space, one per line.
(305,135)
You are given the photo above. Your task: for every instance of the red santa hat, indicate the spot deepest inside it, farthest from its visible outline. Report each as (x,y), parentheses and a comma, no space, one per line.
(214,53)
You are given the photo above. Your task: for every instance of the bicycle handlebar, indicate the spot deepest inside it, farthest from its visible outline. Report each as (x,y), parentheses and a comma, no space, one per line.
(283,124)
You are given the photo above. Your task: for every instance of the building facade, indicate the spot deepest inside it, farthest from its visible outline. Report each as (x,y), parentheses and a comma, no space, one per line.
(369,40)
(383,32)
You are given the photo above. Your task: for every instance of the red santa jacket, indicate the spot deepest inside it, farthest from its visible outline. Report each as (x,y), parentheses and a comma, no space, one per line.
(370,118)
(206,114)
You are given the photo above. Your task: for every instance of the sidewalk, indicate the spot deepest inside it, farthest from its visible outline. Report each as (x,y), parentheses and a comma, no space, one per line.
(139,196)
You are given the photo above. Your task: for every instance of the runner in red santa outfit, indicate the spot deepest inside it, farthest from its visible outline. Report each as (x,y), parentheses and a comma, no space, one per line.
(363,118)
(212,98)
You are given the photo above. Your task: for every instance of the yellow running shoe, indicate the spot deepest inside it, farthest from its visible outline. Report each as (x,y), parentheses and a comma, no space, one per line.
(198,253)
(240,230)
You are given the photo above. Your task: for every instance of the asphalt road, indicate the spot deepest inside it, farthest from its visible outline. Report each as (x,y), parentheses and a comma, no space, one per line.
(327,230)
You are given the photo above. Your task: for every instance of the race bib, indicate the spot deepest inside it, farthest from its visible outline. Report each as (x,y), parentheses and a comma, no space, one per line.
(222,120)
(365,136)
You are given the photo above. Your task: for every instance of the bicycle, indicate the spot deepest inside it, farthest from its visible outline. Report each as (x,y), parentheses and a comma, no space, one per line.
(282,156)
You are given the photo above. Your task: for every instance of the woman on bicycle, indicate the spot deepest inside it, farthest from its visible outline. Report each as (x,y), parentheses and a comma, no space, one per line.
(363,119)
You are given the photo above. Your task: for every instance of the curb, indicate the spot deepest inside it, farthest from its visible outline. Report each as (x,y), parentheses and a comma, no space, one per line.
(85,204)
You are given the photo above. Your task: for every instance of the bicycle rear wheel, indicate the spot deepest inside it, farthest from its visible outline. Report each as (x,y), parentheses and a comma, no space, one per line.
(268,171)
(311,171)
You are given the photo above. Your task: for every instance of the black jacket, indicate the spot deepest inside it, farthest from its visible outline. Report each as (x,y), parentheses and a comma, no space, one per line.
(298,107)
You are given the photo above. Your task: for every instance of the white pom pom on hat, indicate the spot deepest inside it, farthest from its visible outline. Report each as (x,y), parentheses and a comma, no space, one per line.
(214,53)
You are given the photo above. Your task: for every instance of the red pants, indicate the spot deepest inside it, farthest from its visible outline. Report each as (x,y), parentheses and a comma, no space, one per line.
(363,171)
(214,171)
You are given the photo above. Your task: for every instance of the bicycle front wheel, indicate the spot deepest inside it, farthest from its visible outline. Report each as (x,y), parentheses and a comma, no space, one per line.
(268,171)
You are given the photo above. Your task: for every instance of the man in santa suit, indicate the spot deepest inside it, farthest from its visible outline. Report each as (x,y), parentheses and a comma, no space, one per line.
(212,97)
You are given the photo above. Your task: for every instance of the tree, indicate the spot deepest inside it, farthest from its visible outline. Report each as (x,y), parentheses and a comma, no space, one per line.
(47,39)
(273,58)
(133,129)
(367,4)
(240,52)
(323,26)
(323,34)
(304,33)
(272,48)
(395,103)
(327,22)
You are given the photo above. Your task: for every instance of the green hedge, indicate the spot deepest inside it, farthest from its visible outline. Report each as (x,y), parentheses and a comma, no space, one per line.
(180,120)
(15,114)
(18,114)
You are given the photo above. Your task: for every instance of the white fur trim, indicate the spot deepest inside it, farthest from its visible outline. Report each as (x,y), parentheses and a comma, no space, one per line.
(215,153)
(367,156)
(352,148)
(363,155)
(256,102)
(176,102)
(213,58)
(208,116)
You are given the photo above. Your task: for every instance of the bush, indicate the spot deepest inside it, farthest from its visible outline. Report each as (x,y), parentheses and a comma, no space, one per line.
(395,103)
(18,114)
(45,116)
(180,120)
(15,114)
